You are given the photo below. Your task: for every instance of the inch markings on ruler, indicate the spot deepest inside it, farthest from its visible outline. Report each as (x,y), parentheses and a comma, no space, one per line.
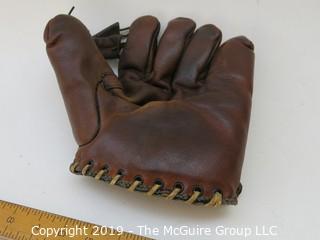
(17,222)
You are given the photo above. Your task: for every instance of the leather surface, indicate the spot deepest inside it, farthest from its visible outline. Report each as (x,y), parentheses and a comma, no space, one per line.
(177,114)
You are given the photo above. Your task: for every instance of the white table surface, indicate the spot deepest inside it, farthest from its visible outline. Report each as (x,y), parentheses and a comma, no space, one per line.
(281,169)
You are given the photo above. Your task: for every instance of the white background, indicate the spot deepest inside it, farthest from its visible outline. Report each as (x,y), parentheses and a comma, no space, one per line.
(281,169)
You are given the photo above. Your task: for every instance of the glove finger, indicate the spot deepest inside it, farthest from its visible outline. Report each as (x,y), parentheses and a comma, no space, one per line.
(136,58)
(196,57)
(79,67)
(232,67)
(171,45)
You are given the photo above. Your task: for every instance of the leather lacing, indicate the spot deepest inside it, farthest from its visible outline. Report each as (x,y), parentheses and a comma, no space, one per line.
(215,201)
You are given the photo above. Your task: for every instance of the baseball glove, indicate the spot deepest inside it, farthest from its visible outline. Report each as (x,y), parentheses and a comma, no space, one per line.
(173,123)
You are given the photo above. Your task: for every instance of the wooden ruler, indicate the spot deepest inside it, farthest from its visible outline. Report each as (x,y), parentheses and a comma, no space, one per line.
(24,223)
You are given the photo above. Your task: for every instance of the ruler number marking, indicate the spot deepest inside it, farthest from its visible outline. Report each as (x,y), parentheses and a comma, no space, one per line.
(10,219)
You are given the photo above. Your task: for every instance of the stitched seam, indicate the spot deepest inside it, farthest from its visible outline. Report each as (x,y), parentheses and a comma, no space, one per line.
(161,191)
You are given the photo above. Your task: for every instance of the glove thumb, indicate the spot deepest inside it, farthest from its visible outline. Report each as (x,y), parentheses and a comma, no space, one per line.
(79,67)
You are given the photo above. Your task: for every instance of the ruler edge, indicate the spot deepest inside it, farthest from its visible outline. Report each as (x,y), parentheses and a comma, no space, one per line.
(4,203)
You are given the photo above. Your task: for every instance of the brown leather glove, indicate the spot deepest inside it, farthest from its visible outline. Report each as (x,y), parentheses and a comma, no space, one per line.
(175,121)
